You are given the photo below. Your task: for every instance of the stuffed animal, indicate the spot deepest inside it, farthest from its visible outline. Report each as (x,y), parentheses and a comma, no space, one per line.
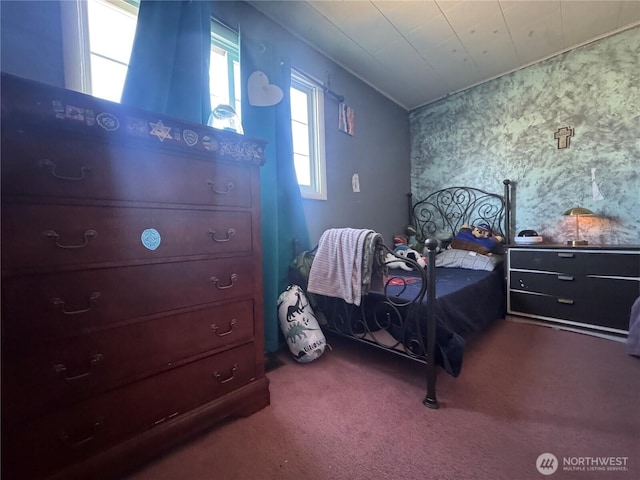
(415,238)
(299,325)
(399,240)
(391,261)
(478,239)
(406,252)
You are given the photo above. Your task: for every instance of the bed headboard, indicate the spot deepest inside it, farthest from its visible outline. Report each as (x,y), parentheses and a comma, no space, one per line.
(441,214)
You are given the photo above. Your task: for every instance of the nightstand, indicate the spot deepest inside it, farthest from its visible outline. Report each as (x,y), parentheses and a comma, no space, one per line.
(590,287)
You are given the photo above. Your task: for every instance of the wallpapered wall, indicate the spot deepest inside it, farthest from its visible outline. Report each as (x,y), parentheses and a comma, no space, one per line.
(505,129)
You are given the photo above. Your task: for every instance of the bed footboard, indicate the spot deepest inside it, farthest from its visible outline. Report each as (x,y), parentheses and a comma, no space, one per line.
(381,320)
(430,399)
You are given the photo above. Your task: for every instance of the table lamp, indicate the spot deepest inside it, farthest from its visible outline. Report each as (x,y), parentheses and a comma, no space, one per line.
(578,212)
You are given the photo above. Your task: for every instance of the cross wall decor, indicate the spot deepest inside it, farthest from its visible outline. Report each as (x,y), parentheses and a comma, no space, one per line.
(563,135)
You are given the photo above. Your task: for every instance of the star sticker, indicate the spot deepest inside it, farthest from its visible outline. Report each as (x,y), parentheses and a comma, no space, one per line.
(160,130)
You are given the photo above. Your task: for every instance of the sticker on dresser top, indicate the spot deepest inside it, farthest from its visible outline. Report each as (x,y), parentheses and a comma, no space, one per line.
(74,113)
(209,143)
(108,121)
(151,238)
(82,114)
(160,130)
(190,137)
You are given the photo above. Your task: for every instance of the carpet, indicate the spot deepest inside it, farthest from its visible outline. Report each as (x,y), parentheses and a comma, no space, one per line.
(356,413)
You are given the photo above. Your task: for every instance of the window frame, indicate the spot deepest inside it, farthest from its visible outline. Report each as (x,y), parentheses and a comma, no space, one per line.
(317,159)
(75,46)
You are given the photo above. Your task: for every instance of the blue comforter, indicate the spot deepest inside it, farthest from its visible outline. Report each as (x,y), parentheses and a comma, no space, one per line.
(467,301)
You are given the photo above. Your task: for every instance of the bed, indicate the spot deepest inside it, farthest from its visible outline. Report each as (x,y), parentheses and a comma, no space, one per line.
(397,315)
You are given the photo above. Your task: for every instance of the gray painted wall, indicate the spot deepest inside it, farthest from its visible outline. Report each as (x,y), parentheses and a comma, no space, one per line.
(31,41)
(378,152)
(505,129)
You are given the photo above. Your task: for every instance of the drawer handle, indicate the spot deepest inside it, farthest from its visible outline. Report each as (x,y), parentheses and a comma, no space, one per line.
(567,278)
(87,235)
(232,324)
(229,378)
(58,302)
(164,419)
(230,233)
(49,165)
(212,184)
(566,255)
(66,438)
(61,369)
(233,278)
(565,301)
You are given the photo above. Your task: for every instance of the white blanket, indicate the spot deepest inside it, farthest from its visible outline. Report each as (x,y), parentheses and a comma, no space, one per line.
(337,267)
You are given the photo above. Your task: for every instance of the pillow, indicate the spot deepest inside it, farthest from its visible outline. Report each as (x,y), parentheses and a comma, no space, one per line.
(455,258)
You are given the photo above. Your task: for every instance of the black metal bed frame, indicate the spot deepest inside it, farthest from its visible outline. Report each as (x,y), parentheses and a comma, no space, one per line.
(437,217)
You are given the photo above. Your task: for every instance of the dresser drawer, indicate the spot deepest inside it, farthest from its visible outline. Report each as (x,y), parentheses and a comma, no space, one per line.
(56,373)
(607,290)
(84,429)
(576,262)
(74,168)
(70,303)
(58,235)
(580,309)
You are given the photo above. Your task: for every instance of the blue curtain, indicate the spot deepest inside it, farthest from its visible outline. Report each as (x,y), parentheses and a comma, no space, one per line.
(169,65)
(283,217)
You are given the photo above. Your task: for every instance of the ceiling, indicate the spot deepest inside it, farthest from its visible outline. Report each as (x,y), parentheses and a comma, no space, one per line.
(416,52)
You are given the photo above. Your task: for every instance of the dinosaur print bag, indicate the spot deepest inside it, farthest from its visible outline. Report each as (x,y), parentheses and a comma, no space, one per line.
(299,325)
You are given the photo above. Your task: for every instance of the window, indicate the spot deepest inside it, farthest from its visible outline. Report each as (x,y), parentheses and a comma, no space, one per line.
(224,69)
(307,128)
(96,60)
(109,53)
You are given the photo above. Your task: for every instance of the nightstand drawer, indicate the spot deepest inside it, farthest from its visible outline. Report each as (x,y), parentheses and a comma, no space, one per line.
(576,262)
(583,310)
(607,290)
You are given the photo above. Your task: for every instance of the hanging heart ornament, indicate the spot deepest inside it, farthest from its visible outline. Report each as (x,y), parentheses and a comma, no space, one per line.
(261,92)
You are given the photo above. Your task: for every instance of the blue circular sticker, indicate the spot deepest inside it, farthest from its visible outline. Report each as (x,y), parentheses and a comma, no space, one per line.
(150,238)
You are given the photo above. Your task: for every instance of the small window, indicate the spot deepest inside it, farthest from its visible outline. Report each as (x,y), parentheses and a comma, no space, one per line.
(307,128)
(96,60)
(109,53)
(224,68)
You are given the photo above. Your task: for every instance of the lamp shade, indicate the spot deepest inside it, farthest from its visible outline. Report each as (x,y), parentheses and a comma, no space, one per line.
(578,212)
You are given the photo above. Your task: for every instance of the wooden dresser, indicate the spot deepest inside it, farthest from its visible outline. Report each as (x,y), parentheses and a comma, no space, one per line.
(131,282)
